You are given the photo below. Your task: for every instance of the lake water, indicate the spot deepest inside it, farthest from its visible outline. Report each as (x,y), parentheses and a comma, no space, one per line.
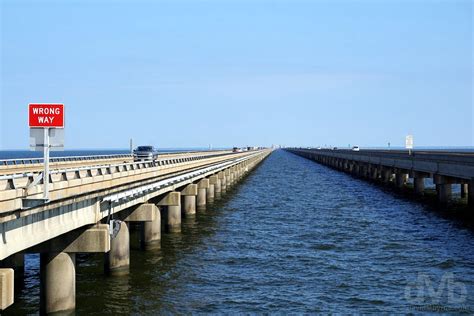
(293,237)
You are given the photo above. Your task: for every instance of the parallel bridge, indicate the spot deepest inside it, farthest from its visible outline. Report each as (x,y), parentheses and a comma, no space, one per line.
(396,166)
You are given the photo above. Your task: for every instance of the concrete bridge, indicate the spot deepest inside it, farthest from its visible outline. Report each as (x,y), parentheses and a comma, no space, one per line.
(92,200)
(396,166)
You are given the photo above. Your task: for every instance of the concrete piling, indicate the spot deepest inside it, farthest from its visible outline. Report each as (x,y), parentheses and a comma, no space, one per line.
(203,186)
(151,232)
(58,282)
(464,190)
(188,200)
(419,185)
(7,288)
(117,260)
(444,192)
(172,201)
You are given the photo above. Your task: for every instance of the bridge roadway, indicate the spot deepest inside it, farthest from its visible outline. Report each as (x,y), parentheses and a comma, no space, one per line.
(24,165)
(446,168)
(91,204)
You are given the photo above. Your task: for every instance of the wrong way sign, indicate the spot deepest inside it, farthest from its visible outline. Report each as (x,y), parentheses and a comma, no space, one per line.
(46,122)
(46,115)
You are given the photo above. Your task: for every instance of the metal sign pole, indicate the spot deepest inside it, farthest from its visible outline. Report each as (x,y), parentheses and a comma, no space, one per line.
(46,164)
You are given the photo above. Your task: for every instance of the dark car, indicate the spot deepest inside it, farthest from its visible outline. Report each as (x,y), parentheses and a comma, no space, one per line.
(145,153)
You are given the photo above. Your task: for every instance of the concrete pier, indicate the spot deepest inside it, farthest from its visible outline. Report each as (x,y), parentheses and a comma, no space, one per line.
(203,185)
(443,188)
(227,179)
(117,260)
(172,201)
(222,178)
(216,186)
(210,192)
(419,185)
(444,192)
(464,190)
(470,193)
(58,282)
(374,173)
(188,200)
(400,179)
(6,288)
(386,175)
(151,231)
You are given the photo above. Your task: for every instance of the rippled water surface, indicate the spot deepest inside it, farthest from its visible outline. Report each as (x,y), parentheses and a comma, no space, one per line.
(294,236)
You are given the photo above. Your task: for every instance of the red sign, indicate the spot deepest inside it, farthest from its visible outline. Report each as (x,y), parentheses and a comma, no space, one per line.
(46,115)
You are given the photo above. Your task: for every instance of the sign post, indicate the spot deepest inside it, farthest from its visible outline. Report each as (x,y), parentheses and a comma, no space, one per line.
(46,123)
(409,143)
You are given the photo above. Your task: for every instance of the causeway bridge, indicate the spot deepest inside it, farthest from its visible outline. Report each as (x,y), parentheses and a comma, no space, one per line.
(445,168)
(92,200)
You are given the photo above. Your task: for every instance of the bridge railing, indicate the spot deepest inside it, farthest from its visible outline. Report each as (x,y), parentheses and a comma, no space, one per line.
(25,161)
(36,160)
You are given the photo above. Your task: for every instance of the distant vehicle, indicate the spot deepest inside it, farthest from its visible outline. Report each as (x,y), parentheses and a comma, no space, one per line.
(236,150)
(319,147)
(355,148)
(143,153)
(334,148)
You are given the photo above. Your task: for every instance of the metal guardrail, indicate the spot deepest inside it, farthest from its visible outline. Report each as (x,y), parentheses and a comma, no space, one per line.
(26,161)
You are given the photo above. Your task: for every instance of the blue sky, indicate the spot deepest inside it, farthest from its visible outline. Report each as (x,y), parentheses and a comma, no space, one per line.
(192,73)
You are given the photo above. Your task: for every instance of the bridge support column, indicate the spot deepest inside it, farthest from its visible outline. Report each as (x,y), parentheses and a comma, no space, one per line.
(363,172)
(400,179)
(470,193)
(419,182)
(444,192)
(356,170)
(419,185)
(58,282)
(188,200)
(217,186)
(6,288)
(386,175)
(374,173)
(222,177)
(117,260)
(210,192)
(227,179)
(172,201)
(443,188)
(203,185)
(151,232)
(232,176)
(464,189)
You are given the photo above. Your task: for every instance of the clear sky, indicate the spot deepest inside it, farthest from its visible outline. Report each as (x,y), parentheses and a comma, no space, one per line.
(192,73)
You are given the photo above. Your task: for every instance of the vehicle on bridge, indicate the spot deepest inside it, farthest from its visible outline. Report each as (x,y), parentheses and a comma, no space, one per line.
(145,153)
(355,148)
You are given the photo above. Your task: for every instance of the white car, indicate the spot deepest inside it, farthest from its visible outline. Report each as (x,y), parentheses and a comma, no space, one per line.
(355,148)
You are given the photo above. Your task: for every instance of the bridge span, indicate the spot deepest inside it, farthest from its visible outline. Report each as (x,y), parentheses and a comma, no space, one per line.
(446,168)
(92,200)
